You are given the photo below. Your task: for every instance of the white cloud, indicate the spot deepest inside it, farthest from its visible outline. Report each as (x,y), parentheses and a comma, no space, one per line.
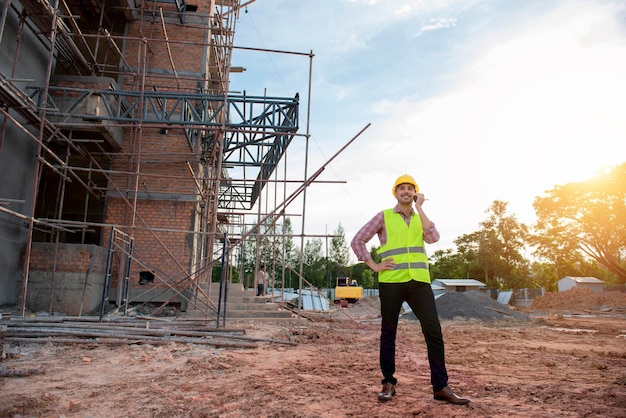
(439,23)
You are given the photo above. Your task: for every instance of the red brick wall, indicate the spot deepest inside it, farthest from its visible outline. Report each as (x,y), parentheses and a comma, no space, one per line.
(187,46)
(157,251)
(69,257)
(166,188)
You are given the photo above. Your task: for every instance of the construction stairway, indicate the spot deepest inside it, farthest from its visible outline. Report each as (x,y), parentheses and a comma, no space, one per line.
(241,304)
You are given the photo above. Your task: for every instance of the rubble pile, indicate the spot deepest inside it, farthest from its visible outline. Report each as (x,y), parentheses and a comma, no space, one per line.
(471,305)
(453,305)
(474,305)
(580,299)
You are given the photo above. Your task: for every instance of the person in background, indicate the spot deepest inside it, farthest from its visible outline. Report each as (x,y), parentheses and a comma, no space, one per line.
(403,276)
(260,280)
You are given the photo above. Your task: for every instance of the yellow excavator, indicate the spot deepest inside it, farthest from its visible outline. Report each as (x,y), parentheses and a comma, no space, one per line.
(347,291)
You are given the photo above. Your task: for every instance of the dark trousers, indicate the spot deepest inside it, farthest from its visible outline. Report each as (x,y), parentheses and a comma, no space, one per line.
(420,298)
(259,289)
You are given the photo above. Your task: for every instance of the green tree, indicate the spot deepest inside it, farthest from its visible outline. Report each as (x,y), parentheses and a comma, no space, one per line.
(503,239)
(314,262)
(374,254)
(274,247)
(544,275)
(246,257)
(448,264)
(338,254)
(339,247)
(584,221)
(364,275)
(494,251)
(290,258)
(477,255)
(367,279)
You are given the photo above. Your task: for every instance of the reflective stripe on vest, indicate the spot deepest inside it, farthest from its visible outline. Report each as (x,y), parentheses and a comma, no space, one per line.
(397,251)
(401,266)
(405,244)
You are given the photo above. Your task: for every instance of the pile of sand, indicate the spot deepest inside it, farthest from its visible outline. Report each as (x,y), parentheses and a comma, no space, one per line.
(579,299)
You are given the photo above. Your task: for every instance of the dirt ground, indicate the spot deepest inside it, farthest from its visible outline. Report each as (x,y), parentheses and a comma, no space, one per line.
(556,362)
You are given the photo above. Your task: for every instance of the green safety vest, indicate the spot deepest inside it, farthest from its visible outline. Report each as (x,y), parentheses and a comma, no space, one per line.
(405,244)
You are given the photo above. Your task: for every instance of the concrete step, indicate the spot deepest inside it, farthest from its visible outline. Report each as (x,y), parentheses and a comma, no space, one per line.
(243,314)
(252,300)
(252,306)
(242,304)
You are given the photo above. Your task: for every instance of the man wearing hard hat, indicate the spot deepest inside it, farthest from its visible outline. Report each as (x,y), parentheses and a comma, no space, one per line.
(403,277)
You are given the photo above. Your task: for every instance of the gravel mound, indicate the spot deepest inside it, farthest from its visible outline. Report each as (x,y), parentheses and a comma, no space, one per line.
(471,305)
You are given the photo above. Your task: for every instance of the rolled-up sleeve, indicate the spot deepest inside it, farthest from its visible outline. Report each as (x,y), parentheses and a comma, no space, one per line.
(431,235)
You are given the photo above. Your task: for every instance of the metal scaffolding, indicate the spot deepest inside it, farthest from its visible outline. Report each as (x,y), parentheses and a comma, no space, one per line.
(132,111)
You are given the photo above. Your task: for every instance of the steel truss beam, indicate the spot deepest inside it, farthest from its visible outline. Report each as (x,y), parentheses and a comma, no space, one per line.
(257,131)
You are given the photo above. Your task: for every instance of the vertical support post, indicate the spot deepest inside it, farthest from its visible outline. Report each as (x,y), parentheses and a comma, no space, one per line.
(42,122)
(126,285)
(107,274)
(223,288)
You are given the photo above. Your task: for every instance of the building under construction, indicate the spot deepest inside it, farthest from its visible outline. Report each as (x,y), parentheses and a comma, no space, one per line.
(127,165)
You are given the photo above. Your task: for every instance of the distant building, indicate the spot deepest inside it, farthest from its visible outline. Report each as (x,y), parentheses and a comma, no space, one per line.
(457,285)
(569,282)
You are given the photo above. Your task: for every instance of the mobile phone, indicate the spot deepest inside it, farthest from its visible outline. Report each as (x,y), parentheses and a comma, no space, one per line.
(415,198)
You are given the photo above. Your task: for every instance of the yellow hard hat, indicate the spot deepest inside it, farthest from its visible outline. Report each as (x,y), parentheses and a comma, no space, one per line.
(405,178)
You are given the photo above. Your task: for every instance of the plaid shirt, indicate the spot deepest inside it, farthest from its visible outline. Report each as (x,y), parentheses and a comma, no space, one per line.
(377,226)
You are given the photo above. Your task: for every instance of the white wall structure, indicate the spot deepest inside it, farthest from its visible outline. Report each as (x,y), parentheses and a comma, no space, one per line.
(458,285)
(569,282)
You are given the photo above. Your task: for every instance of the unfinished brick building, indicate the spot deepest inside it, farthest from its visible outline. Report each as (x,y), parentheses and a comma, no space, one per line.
(122,150)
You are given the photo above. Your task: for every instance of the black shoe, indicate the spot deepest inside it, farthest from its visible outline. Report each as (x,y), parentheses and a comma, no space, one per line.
(447,395)
(389,390)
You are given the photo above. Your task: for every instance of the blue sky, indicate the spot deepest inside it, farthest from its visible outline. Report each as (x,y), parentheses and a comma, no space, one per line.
(477,100)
